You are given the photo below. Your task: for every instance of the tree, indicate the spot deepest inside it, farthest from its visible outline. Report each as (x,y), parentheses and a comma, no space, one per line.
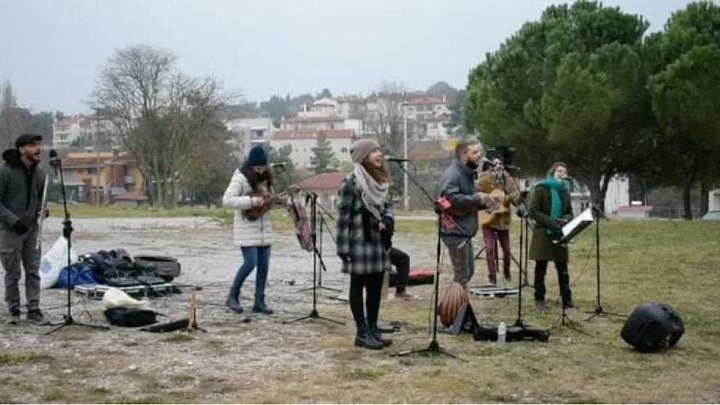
(581,59)
(11,122)
(160,114)
(323,159)
(282,155)
(442,90)
(685,101)
(325,93)
(386,119)
(210,167)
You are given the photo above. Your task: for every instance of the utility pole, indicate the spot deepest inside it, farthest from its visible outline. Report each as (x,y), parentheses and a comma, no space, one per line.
(405,156)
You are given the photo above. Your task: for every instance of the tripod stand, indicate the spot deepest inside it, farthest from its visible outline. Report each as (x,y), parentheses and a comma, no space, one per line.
(322,264)
(434,347)
(598,311)
(313,223)
(56,163)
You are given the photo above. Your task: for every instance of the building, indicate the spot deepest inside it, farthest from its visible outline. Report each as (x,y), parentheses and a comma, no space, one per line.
(324,185)
(249,132)
(91,175)
(303,141)
(714,200)
(81,131)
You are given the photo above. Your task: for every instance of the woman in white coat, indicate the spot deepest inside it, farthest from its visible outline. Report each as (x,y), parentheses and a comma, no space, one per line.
(248,193)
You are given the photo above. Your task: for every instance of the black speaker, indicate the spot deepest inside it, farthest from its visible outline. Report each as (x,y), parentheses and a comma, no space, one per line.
(652,327)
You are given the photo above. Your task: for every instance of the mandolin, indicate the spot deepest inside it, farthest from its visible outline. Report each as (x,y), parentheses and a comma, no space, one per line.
(254,213)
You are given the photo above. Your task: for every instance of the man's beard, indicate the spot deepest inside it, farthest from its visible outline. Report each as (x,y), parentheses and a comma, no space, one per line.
(32,157)
(472,165)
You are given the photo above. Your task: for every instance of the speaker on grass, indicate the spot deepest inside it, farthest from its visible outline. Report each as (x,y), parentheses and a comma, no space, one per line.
(653,327)
(465,320)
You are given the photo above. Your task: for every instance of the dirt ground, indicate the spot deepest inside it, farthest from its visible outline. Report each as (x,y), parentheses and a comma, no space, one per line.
(234,356)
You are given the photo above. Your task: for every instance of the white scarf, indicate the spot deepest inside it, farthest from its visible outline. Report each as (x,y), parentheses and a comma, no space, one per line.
(373,194)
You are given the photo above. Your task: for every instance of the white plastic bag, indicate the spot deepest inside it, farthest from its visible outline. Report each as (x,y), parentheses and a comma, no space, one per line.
(52,262)
(114,298)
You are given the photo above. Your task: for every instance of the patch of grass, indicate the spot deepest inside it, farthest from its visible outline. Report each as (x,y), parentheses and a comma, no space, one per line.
(10,359)
(180,338)
(366,373)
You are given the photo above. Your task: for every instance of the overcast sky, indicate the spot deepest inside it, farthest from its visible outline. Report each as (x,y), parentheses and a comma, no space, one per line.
(52,50)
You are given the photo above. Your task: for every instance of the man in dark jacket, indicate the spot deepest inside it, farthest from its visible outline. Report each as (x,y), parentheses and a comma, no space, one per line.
(21,188)
(460,221)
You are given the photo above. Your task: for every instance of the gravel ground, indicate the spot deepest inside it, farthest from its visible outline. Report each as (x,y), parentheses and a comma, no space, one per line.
(123,364)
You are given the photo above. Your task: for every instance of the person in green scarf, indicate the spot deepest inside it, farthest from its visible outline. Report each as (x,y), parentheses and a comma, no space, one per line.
(550,209)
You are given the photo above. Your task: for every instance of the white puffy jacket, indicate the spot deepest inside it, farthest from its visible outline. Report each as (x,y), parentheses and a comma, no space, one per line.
(246,233)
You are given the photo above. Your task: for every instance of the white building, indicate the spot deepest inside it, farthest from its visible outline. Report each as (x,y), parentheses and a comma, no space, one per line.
(80,130)
(250,132)
(303,141)
(617,195)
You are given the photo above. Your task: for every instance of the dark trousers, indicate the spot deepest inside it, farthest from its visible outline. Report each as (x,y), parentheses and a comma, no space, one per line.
(401,261)
(563,280)
(372,283)
(18,252)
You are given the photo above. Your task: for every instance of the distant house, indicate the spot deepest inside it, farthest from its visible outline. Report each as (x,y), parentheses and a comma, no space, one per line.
(249,132)
(714,200)
(325,185)
(91,175)
(303,141)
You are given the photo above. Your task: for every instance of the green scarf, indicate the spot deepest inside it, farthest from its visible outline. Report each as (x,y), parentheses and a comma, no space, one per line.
(555,186)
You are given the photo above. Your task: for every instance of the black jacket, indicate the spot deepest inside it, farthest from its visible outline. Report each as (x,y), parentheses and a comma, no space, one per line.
(457,184)
(21,189)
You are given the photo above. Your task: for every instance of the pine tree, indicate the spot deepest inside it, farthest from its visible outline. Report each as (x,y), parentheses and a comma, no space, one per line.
(323,159)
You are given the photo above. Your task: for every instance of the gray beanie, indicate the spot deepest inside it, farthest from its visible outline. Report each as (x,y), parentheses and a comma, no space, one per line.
(362,148)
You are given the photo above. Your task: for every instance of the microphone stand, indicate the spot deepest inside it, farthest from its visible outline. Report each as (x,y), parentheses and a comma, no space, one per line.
(317,248)
(434,347)
(599,311)
(317,257)
(67,233)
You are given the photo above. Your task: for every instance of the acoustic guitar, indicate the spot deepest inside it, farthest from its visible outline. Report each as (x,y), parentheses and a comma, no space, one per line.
(487,216)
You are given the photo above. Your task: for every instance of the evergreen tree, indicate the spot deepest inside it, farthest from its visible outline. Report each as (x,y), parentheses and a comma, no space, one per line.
(323,159)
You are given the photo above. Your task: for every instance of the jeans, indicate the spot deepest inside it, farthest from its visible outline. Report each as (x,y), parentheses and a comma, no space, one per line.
(254,256)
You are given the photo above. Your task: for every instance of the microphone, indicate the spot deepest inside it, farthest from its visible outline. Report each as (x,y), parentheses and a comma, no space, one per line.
(512,168)
(279,164)
(54,161)
(395,159)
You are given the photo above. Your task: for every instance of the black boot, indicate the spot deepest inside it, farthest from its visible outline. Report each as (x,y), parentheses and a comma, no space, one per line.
(365,338)
(379,337)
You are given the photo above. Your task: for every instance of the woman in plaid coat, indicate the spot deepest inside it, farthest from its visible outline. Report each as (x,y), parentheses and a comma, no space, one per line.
(364,231)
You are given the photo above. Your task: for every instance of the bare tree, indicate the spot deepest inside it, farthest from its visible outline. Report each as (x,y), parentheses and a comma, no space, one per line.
(10,120)
(386,119)
(160,114)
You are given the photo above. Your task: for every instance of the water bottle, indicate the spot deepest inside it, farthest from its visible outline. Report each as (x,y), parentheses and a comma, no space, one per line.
(502,331)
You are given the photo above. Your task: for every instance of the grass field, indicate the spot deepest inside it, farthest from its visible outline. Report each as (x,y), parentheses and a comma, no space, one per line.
(669,261)
(674,262)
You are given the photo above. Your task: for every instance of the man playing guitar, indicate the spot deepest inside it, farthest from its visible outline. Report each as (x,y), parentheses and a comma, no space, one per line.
(502,187)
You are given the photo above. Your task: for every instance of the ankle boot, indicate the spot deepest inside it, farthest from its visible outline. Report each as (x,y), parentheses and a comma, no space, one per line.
(375,332)
(234,304)
(366,339)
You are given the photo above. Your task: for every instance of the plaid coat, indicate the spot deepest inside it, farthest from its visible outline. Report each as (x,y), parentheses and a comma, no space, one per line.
(358,237)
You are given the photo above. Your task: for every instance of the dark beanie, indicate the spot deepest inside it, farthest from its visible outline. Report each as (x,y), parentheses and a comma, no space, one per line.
(256,157)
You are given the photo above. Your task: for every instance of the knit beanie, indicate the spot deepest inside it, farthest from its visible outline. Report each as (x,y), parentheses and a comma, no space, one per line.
(256,157)
(362,148)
